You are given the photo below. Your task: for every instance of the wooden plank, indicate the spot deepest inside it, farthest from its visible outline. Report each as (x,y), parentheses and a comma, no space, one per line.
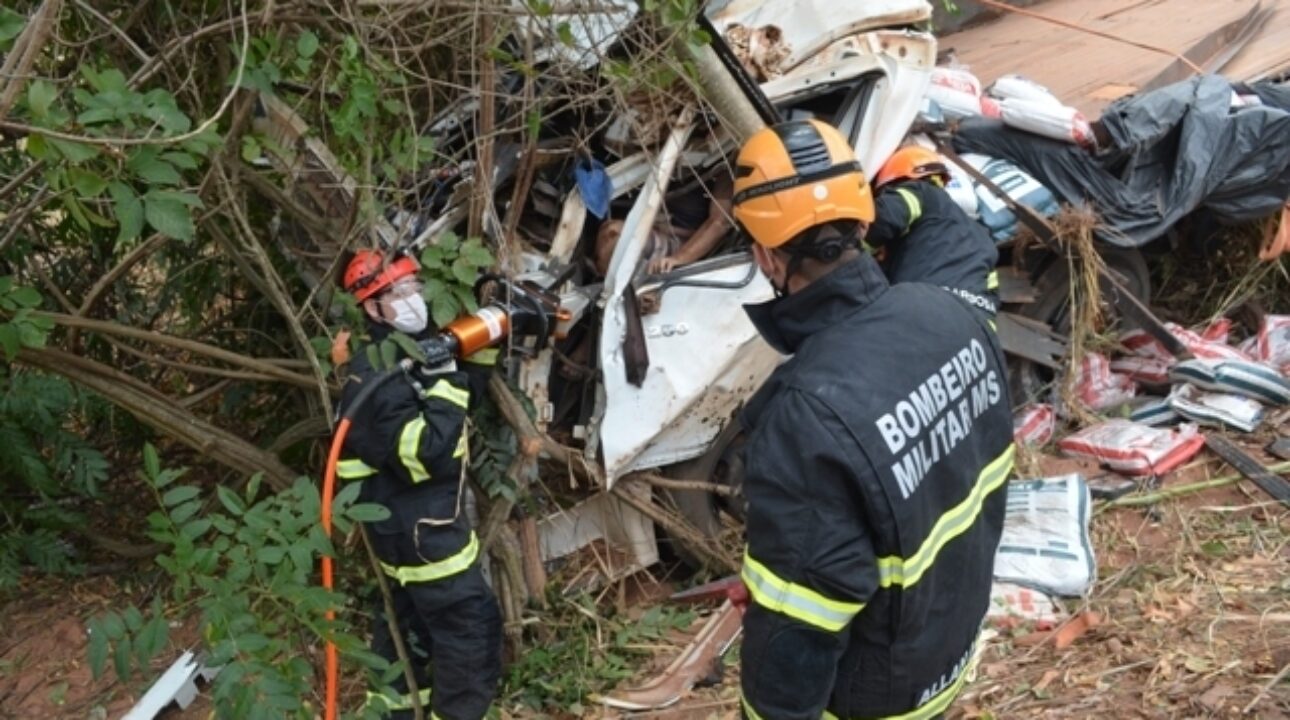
(1089,72)
(1252,469)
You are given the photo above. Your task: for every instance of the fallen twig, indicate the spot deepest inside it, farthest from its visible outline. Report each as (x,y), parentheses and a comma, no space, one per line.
(1157,496)
(1264,690)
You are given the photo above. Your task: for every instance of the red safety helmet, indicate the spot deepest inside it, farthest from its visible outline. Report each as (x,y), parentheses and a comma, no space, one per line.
(912,163)
(368,274)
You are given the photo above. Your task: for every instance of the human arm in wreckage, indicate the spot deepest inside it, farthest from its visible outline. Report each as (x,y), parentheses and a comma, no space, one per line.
(810,565)
(896,208)
(413,431)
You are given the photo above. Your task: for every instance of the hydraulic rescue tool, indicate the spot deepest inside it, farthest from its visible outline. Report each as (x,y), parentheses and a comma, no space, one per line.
(521,310)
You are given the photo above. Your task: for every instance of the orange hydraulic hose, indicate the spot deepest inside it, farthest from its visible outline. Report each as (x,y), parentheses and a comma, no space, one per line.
(329,485)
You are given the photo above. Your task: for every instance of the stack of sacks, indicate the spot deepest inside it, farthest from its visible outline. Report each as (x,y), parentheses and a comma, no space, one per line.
(1028,106)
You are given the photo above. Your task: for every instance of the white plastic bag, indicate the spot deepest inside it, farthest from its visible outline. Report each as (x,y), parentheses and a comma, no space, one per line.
(1274,340)
(1016,87)
(1045,543)
(1058,122)
(1018,184)
(1134,449)
(1011,603)
(1153,411)
(1150,371)
(1140,343)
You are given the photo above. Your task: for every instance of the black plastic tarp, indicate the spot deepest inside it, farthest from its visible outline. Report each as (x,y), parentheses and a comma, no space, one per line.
(1173,151)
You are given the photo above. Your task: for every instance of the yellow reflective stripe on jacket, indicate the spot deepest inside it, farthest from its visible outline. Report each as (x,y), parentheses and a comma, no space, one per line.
(438,570)
(460,450)
(409,443)
(907,571)
(992,280)
(796,601)
(915,207)
(353,469)
(748,708)
(487,356)
(380,703)
(445,390)
(933,707)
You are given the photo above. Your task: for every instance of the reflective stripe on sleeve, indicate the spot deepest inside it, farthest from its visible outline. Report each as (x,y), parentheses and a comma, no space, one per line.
(487,356)
(460,450)
(992,280)
(445,390)
(438,570)
(935,705)
(354,469)
(915,207)
(894,570)
(748,708)
(409,443)
(796,601)
(383,704)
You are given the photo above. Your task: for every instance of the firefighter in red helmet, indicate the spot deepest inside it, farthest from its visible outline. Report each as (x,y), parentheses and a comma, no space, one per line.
(407,446)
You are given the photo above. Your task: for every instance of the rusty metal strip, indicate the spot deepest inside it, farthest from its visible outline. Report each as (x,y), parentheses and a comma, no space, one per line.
(1128,305)
(1274,485)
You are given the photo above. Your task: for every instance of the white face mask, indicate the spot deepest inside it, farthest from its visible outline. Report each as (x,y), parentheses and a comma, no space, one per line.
(410,314)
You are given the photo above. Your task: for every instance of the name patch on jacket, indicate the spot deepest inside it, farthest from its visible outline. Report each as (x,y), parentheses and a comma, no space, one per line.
(926,426)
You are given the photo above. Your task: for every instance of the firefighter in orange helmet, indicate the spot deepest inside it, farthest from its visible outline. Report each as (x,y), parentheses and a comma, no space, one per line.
(876,456)
(407,446)
(925,236)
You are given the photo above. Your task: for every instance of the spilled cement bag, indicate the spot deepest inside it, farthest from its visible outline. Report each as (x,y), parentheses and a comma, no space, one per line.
(1058,122)
(1140,342)
(1146,370)
(957,91)
(1097,387)
(1034,424)
(1011,604)
(1221,410)
(1153,411)
(1240,377)
(1045,543)
(1134,449)
(963,193)
(1273,344)
(1016,87)
(1020,186)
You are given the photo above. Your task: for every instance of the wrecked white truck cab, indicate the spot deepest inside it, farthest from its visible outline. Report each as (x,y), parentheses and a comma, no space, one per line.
(677,356)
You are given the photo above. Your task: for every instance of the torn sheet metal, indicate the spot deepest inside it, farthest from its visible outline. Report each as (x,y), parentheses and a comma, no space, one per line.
(695,662)
(576,33)
(178,685)
(809,26)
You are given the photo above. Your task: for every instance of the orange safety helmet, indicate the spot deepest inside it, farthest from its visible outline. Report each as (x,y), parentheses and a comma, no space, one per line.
(912,163)
(795,176)
(367,274)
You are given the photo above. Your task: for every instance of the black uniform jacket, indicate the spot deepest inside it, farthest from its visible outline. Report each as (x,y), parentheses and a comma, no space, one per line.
(875,468)
(930,239)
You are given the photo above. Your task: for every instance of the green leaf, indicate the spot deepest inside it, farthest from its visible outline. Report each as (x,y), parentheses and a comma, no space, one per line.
(477,254)
(183,493)
(11,25)
(128,210)
(9,340)
(27,297)
(368,512)
(40,96)
(75,152)
(231,501)
(133,619)
(565,33)
(86,183)
(121,658)
(443,309)
(185,512)
(253,487)
(151,462)
(157,171)
(98,651)
(168,216)
(251,150)
(307,44)
(180,160)
(112,625)
(346,496)
(464,272)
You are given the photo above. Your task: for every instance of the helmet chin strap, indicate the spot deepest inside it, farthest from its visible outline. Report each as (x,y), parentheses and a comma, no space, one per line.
(823,250)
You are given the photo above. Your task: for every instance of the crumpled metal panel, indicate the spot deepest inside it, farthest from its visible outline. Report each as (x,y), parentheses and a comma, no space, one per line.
(811,25)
